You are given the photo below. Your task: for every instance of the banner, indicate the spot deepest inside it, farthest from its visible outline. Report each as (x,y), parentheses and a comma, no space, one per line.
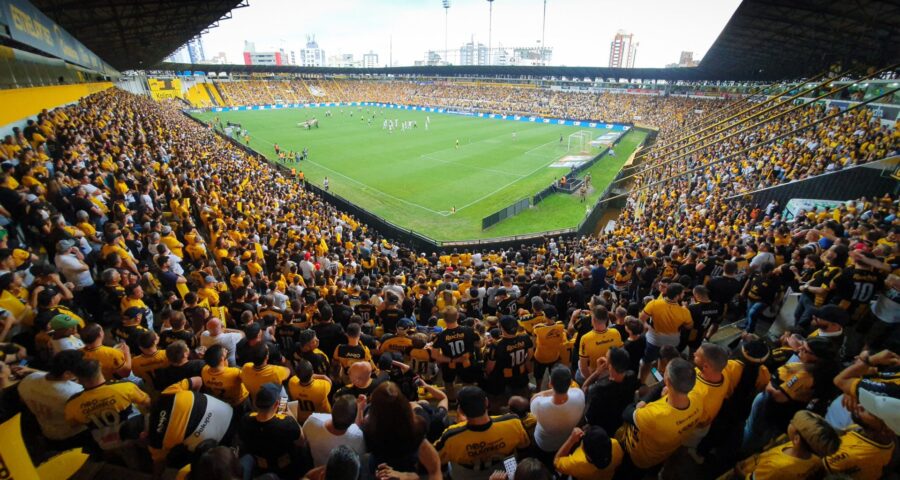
(161,88)
(28,25)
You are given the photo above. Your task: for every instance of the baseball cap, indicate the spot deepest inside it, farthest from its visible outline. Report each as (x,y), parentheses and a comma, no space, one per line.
(64,245)
(832,313)
(884,405)
(133,312)
(597,446)
(821,437)
(501,291)
(267,395)
(62,322)
(210,279)
(406,323)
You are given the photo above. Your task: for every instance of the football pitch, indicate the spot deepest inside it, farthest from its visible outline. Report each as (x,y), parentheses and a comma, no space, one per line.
(416,178)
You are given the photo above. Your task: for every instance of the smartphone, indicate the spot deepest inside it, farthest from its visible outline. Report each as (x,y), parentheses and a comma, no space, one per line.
(658,376)
(509,464)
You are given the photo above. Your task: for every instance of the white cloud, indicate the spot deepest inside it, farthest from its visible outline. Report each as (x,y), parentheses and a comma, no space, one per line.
(578,30)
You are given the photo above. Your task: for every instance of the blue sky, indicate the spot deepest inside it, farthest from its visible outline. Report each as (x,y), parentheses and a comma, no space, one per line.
(578,30)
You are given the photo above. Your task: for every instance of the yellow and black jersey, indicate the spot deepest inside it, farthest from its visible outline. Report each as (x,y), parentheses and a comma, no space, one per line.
(144,365)
(549,342)
(185,417)
(110,359)
(366,311)
(481,446)
(422,363)
(104,404)
(347,355)
(595,344)
(528,322)
(254,378)
(579,467)
(311,397)
(822,278)
(710,396)
(795,382)
(320,362)
(854,289)
(395,343)
(657,430)
(511,355)
(859,456)
(226,385)
(457,342)
(775,464)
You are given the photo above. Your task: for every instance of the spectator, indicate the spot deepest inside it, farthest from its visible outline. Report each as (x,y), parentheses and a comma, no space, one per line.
(557,411)
(324,432)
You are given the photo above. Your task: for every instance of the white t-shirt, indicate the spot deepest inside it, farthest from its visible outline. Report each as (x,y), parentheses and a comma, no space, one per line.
(228,340)
(47,400)
(322,442)
(66,343)
(555,422)
(69,265)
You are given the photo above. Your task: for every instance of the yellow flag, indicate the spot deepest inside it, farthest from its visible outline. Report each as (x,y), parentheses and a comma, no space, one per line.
(15,463)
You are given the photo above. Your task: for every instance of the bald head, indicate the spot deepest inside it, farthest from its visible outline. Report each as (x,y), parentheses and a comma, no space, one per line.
(214,325)
(360,373)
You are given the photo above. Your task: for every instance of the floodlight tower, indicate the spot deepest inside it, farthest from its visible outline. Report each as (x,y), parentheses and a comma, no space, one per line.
(490,24)
(543,30)
(446,13)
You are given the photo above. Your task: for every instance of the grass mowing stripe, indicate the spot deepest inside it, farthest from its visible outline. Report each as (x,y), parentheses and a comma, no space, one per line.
(387,175)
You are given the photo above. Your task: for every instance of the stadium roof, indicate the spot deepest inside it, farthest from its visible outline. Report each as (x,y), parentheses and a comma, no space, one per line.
(777,39)
(763,40)
(133,34)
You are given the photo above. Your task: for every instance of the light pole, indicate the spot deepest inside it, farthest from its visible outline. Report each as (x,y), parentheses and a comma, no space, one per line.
(446,13)
(490,24)
(543,30)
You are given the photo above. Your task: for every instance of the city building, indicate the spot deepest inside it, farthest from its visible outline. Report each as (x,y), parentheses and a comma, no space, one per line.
(252,57)
(343,60)
(219,59)
(370,60)
(622,50)
(195,50)
(473,54)
(312,55)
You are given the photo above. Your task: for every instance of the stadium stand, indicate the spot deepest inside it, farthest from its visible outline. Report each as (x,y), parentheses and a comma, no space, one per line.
(174,295)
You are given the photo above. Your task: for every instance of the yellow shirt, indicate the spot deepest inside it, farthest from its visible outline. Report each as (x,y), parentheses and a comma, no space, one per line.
(225,385)
(103,402)
(859,457)
(774,464)
(144,365)
(595,344)
(577,465)
(255,378)
(658,430)
(668,318)
(311,398)
(549,341)
(710,396)
(111,359)
(528,322)
(796,382)
(482,445)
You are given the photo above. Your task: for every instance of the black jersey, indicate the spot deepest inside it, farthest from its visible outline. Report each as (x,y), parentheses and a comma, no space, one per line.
(287,336)
(366,311)
(457,342)
(510,355)
(855,288)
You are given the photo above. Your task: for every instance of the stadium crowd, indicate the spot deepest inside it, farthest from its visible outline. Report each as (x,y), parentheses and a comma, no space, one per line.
(174,297)
(668,114)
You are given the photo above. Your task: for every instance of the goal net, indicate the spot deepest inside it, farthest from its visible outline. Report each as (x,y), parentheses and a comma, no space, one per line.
(580,142)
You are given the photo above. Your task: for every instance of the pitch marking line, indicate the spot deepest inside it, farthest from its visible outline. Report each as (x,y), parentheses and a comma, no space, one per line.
(365,187)
(501,188)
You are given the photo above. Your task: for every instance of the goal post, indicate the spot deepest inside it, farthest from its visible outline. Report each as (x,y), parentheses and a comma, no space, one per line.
(580,142)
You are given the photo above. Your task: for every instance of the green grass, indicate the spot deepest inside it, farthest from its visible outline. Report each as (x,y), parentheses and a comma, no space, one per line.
(414,178)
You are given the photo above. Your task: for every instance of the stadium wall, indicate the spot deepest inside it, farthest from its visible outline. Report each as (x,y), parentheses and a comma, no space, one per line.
(21,103)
